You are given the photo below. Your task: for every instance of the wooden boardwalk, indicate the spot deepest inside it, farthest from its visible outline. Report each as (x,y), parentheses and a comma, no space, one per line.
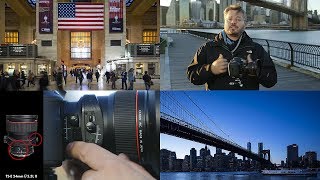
(184,47)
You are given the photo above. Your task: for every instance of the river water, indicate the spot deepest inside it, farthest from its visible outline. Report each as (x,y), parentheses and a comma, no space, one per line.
(304,37)
(227,176)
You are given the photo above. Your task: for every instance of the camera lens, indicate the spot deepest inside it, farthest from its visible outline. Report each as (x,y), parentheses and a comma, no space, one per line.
(20,129)
(123,122)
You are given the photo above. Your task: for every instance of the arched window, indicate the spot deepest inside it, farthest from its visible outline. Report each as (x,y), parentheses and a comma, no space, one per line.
(81,45)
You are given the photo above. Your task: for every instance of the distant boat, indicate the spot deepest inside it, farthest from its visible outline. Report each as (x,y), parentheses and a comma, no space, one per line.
(290,172)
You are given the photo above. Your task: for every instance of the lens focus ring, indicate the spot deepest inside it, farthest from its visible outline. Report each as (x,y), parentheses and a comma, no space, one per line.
(125,124)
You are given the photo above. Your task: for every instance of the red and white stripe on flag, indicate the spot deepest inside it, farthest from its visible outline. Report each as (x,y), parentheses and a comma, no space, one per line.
(80,16)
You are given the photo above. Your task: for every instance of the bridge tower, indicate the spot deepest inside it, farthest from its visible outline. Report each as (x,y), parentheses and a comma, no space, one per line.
(299,23)
(266,154)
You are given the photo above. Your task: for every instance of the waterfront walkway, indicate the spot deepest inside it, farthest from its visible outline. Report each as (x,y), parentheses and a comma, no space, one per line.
(183,47)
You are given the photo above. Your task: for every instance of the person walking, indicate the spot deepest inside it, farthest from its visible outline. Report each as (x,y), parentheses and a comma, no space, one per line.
(131,78)
(124,80)
(147,80)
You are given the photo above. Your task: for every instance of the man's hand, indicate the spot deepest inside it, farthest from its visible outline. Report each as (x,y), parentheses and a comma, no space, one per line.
(104,164)
(219,66)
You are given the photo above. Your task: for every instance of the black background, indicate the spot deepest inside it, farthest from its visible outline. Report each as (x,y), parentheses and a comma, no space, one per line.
(21,103)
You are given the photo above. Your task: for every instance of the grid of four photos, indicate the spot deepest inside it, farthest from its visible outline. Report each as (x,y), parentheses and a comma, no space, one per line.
(116,89)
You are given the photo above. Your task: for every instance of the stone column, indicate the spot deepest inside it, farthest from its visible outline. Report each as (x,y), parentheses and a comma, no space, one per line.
(299,23)
(2,21)
(113,52)
(48,52)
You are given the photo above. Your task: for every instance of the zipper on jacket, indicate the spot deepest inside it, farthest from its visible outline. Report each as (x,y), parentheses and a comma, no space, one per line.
(227,49)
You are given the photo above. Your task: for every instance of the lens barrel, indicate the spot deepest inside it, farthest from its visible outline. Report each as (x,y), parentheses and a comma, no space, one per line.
(20,129)
(124,122)
(136,127)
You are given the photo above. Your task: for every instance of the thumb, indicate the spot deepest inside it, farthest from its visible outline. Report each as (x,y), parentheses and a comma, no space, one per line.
(249,59)
(220,56)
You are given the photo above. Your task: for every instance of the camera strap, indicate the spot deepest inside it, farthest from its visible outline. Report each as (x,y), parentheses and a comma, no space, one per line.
(239,41)
(229,42)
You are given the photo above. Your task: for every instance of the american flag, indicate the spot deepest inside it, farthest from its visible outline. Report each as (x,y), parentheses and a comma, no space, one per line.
(80,16)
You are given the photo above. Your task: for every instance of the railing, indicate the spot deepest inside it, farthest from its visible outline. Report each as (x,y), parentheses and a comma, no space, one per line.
(141,50)
(19,51)
(294,53)
(188,125)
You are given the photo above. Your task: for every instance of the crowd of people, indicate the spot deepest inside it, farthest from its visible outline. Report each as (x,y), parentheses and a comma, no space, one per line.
(111,77)
(16,81)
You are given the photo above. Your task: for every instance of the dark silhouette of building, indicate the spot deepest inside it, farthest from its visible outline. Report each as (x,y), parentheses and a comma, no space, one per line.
(249,146)
(220,161)
(186,163)
(172,161)
(164,159)
(260,149)
(310,159)
(178,165)
(193,159)
(292,155)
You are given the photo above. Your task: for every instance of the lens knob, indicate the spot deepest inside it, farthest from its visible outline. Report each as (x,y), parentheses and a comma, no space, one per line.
(91,127)
(74,120)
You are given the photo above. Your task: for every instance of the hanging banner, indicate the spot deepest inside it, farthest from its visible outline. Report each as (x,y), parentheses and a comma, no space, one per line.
(115,16)
(45,16)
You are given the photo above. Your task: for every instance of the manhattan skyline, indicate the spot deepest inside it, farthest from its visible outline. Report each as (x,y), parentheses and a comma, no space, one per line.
(312,4)
(277,119)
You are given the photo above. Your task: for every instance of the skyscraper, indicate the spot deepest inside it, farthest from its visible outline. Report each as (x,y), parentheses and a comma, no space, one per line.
(164,159)
(249,146)
(193,158)
(292,155)
(163,15)
(186,163)
(172,161)
(310,159)
(172,16)
(260,149)
(184,10)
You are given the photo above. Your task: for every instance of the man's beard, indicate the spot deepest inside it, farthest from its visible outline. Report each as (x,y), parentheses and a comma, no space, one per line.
(234,31)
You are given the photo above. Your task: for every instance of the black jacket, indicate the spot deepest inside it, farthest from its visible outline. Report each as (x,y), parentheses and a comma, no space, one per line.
(199,72)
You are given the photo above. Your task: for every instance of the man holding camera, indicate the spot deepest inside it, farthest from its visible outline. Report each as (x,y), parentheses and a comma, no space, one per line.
(232,60)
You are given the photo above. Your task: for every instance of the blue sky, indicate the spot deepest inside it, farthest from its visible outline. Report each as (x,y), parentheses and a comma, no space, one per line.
(277,119)
(312,4)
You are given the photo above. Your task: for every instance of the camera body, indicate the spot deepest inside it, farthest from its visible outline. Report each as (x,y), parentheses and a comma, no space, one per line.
(238,68)
(122,122)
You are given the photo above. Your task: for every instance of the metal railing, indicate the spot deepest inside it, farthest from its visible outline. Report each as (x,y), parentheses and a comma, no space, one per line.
(141,50)
(295,53)
(19,51)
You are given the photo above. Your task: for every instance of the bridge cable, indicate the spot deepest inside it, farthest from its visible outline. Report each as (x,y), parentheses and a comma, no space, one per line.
(209,117)
(188,112)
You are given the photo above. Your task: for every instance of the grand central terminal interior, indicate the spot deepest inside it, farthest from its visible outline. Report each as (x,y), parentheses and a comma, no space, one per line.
(97,35)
